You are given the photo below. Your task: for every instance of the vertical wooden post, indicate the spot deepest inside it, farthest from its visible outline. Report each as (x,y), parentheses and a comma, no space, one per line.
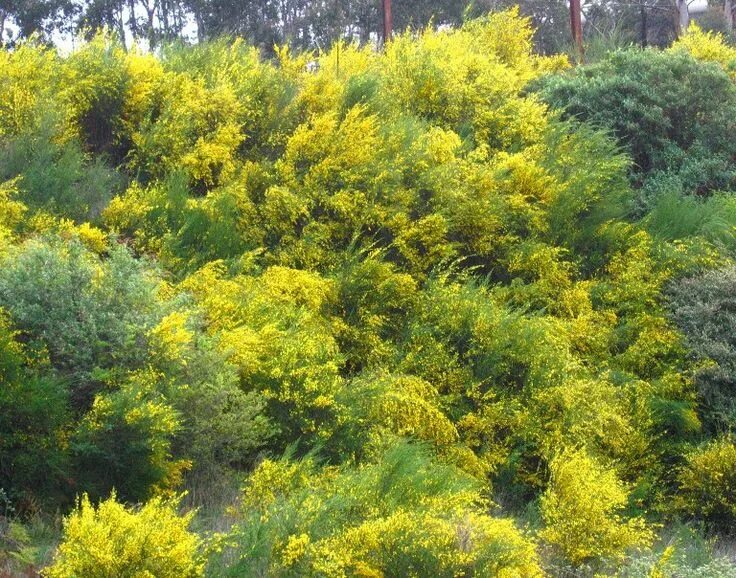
(388,23)
(576,26)
(644,26)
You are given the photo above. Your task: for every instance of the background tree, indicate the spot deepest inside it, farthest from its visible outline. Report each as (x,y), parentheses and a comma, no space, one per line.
(21,18)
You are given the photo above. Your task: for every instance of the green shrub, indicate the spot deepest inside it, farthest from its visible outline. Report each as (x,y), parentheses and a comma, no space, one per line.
(675,217)
(18,555)
(221,427)
(673,113)
(33,417)
(90,315)
(682,551)
(124,442)
(704,308)
(58,176)
(34,460)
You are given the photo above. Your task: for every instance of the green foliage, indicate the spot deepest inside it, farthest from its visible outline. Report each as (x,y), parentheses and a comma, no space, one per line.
(673,113)
(57,176)
(703,307)
(33,417)
(681,551)
(108,540)
(90,316)
(124,442)
(33,460)
(22,546)
(675,217)
(220,426)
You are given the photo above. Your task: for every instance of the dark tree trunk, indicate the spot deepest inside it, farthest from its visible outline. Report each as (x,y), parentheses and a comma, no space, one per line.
(121,25)
(132,21)
(150,24)
(644,27)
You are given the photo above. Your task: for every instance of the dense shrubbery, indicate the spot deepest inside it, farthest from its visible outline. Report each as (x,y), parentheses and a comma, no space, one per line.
(33,414)
(704,307)
(674,114)
(581,508)
(708,483)
(110,541)
(400,515)
(398,270)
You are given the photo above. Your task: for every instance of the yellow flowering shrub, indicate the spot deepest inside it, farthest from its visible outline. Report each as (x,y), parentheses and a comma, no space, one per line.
(707,484)
(93,238)
(11,211)
(28,80)
(279,347)
(197,130)
(402,404)
(708,46)
(591,412)
(406,544)
(172,338)
(472,75)
(110,540)
(582,511)
(302,288)
(142,214)
(95,83)
(403,515)
(146,73)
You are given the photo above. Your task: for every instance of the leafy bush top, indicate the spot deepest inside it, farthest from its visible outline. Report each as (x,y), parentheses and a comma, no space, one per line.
(673,113)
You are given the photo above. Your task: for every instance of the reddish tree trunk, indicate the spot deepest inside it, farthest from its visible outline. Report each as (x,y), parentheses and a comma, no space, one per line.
(388,23)
(576,26)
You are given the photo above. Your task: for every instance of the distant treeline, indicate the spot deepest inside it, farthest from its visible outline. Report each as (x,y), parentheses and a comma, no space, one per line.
(306,24)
